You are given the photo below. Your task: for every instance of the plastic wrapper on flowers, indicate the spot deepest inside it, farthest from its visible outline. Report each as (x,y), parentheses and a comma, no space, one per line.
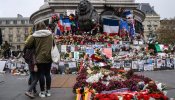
(128,95)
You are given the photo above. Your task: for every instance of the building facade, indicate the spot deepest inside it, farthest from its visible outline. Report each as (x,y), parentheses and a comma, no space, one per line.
(152,20)
(15,30)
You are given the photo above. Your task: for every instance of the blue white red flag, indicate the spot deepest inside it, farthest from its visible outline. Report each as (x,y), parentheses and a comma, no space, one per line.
(57,30)
(67,24)
(110,26)
(60,24)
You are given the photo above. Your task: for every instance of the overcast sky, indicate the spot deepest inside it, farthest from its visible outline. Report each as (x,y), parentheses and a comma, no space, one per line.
(10,8)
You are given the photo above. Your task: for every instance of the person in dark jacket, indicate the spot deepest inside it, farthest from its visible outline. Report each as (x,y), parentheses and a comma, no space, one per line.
(42,40)
(6,49)
(28,55)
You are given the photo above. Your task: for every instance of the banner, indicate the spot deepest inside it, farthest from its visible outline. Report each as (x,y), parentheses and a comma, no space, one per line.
(68,12)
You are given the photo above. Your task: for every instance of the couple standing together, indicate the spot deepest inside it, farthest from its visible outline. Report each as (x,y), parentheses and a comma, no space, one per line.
(37,53)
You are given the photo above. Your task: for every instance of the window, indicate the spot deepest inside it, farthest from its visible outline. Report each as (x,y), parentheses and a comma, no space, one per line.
(0,22)
(7,22)
(22,22)
(26,30)
(10,30)
(27,22)
(18,30)
(18,38)
(148,25)
(15,22)
(10,38)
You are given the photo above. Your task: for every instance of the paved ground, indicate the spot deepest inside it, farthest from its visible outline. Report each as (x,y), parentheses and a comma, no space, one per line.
(166,76)
(13,87)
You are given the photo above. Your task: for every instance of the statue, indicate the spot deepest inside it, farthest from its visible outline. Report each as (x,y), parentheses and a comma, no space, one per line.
(88,17)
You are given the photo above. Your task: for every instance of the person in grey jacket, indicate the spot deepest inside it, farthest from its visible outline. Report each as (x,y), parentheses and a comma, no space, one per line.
(42,41)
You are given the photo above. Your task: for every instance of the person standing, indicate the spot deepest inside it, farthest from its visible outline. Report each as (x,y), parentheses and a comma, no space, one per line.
(6,49)
(42,40)
(28,55)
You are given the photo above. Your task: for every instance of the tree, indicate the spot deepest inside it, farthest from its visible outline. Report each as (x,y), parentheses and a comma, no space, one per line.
(166,36)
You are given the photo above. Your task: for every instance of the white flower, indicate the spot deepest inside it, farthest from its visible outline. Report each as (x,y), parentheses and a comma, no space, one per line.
(95,78)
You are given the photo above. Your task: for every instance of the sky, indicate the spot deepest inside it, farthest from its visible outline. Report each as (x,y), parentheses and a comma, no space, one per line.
(10,8)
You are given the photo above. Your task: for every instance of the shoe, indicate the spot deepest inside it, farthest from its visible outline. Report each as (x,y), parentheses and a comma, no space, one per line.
(48,93)
(29,94)
(35,93)
(42,94)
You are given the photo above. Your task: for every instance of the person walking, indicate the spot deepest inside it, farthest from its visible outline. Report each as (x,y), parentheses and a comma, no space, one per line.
(42,41)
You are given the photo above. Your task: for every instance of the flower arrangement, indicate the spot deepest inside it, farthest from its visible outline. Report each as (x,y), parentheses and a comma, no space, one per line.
(85,39)
(105,78)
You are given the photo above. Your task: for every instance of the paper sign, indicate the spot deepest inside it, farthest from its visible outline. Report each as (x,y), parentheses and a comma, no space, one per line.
(134,64)
(90,52)
(63,48)
(107,52)
(2,65)
(76,55)
(72,64)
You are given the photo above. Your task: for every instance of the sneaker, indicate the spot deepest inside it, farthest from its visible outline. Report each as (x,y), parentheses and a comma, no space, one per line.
(29,94)
(35,93)
(48,93)
(42,94)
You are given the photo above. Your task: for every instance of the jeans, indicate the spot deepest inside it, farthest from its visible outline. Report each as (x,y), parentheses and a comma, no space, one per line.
(44,73)
(34,77)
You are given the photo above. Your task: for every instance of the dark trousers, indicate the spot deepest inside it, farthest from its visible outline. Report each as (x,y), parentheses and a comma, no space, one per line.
(44,72)
(34,77)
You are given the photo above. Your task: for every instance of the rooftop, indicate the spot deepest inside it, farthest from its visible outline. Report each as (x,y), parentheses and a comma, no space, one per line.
(147,9)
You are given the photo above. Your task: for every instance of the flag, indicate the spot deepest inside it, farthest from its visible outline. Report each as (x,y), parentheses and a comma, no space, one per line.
(57,30)
(110,26)
(128,14)
(67,24)
(124,25)
(60,24)
(132,28)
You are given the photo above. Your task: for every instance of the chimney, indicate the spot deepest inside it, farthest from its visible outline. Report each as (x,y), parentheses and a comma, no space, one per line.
(152,7)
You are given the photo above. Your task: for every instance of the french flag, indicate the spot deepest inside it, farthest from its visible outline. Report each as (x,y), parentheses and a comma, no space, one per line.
(110,26)
(60,24)
(57,30)
(67,24)
(128,14)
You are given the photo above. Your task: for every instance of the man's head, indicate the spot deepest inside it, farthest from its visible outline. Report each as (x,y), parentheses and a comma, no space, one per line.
(40,26)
